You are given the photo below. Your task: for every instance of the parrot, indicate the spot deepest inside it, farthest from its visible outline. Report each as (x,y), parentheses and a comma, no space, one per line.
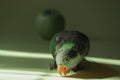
(69,49)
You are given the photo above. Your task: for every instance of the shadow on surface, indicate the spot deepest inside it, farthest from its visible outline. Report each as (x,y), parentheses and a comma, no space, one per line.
(95,70)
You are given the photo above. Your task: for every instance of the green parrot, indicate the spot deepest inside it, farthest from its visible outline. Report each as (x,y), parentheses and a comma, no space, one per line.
(68,49)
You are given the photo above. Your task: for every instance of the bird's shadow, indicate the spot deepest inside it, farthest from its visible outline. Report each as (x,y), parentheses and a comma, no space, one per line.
(95,70)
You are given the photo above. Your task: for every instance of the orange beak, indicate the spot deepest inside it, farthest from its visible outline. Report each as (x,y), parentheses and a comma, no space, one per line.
(63,70)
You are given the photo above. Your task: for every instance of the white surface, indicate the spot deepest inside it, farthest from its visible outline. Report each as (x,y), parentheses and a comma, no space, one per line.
(13,72)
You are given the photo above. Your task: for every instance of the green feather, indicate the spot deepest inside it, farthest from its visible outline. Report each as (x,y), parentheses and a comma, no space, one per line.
(68,45)
(53,44)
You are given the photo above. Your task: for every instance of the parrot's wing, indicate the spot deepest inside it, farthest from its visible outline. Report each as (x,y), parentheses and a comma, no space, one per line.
(56,42)
(53,45)
(74,36)
(83,42)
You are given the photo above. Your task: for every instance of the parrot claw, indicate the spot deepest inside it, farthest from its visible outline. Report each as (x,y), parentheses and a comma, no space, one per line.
(53,66)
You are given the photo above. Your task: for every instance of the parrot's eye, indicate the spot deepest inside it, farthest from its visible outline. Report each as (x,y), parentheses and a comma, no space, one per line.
(72,53)
(67,58)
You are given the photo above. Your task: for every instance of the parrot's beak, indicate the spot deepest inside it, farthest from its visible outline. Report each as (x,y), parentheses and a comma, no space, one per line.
(63,70)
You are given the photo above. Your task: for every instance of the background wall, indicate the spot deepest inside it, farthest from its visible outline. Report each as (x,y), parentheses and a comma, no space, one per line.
(99,19)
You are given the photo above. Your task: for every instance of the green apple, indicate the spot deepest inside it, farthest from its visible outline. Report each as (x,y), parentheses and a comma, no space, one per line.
(50,22)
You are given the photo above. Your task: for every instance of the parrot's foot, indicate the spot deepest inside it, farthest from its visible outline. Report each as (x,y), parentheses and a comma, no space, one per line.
(53,65)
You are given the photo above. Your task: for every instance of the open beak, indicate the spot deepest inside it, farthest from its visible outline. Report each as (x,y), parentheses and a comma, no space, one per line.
(63,70)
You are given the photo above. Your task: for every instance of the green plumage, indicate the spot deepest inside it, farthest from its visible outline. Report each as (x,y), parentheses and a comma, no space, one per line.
(69,48)
(53,44)
(80,39)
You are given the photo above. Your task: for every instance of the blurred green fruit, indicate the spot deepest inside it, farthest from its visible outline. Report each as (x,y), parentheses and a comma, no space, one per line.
(50,22)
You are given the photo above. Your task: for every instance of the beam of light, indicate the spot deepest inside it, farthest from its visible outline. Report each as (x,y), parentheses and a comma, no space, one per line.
(30,75)
(19,75)
(25,54)
(49,56)
(22,72)
(104,60)
(6,76)
(42,75)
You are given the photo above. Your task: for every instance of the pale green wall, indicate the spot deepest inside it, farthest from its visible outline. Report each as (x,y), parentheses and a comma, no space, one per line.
(99,19)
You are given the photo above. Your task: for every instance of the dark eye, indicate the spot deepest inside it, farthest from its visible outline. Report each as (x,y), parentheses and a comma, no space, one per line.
(67,58)
(72,53)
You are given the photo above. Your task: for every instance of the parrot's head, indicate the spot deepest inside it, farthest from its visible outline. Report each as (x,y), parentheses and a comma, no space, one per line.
(67,57)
